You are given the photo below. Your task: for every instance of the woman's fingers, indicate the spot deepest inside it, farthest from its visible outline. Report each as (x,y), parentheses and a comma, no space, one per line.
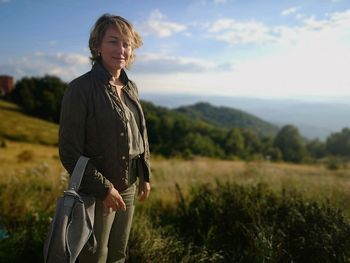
(145,190)
(120,203)
(113,201)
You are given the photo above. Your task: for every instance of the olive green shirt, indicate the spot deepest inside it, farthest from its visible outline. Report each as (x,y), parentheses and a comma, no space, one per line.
(132,115)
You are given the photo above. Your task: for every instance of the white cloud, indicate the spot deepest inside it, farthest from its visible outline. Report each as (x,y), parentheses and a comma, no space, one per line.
(64,65)
(158,25)
(255,32)
(289,11)
(236,32)
(4,1)
(311,59)
(164,63)
(67,59)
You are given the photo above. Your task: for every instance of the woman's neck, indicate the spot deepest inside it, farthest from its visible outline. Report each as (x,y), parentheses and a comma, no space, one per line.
(115,74)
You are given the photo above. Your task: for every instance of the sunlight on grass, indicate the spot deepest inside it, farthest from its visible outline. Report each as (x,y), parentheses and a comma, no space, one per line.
(15,125)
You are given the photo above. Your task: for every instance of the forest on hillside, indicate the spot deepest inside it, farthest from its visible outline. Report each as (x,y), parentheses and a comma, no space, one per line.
(198,130)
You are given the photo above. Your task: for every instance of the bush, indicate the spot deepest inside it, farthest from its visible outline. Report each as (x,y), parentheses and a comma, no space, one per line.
(253,224)
(24,240)
(25,156)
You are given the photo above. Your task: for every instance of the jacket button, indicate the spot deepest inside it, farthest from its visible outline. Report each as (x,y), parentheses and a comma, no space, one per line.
(123,157)
(122,134)
(125,181)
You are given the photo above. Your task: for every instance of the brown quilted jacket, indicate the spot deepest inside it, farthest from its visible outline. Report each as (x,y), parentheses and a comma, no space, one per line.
(92,125)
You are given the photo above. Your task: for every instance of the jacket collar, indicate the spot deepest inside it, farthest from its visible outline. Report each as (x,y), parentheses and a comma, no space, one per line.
(103,75)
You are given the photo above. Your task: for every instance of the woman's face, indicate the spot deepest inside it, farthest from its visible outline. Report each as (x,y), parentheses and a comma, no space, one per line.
(115,50)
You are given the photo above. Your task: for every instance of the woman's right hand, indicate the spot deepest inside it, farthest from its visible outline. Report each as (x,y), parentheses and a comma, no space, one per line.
(113,201)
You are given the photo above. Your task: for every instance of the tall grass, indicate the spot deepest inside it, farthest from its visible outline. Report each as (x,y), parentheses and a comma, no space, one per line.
(31,178)
(251,223)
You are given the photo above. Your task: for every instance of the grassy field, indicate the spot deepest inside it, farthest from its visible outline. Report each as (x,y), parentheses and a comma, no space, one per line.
(35,148)
(17,126)
(314,182)
(31,178)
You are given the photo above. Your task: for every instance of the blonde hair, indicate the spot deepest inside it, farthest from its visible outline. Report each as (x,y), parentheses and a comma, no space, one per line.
(124,26)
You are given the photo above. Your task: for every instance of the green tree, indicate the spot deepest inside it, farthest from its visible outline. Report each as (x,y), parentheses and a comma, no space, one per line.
(40,97)
(234,144)
(269,151)
(339,143)
(316,149)
(252,143)
(198,144)
(291,144)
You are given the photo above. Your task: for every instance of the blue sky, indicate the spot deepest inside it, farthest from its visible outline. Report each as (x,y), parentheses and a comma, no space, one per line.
(251,48)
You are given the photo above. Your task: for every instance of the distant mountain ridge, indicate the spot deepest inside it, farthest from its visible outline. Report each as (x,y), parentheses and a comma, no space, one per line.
(315,118)
(228,118)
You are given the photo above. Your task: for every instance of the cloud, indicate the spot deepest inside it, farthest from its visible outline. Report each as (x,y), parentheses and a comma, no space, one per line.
(237,32)
(163,63)
(4,1)
(308,59)
(255,32)
(289,11)
(157,25)
(64,65)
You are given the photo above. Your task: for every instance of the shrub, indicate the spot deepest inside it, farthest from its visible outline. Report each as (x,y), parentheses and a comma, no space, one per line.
(253,224)
(25,156)
(2,143)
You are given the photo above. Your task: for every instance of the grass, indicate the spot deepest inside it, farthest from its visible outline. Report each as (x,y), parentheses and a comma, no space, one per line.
(314,182)
(31,178)
(17,126)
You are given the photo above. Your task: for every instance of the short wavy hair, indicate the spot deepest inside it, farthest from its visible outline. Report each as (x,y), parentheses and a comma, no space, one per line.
(124,26)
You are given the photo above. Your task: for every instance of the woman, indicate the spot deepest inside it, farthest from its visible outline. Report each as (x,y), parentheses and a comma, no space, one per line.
(102,118)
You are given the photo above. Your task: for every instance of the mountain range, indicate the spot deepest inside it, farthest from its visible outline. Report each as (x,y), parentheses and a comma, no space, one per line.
(314,119)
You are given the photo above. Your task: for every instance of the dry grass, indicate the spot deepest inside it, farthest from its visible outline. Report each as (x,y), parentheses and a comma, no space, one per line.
(12,163)
(314,182)
(15,125)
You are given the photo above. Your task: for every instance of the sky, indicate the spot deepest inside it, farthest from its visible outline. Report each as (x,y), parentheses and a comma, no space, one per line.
(250,48)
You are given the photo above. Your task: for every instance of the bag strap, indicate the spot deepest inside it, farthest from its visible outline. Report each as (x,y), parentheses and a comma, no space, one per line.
(78,172)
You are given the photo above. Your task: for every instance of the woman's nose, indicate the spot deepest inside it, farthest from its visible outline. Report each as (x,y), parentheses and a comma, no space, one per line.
(120,46)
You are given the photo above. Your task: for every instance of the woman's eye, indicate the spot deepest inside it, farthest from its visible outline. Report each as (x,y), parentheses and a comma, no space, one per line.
(126,44)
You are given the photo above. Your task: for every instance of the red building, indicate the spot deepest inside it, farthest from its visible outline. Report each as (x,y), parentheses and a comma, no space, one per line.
(6,84)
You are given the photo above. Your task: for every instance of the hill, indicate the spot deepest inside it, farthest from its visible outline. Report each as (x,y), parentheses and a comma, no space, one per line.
(228,118)
(17,126)
(314,118)
(171,132)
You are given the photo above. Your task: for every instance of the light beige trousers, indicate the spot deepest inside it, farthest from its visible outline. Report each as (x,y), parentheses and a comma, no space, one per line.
(111,232)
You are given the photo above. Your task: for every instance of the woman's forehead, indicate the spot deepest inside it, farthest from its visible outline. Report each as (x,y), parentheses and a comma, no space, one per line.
(117,32)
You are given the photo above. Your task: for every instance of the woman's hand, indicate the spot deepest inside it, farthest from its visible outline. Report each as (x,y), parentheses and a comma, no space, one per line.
(113,201)
(144,190)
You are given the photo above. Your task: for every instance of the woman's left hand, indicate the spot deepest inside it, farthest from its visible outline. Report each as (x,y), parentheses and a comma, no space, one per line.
(145,189)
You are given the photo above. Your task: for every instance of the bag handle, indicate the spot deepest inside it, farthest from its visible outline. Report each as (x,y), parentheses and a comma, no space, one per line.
(78,172)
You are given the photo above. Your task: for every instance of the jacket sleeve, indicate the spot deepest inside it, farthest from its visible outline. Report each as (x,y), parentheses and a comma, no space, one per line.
(71,143)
